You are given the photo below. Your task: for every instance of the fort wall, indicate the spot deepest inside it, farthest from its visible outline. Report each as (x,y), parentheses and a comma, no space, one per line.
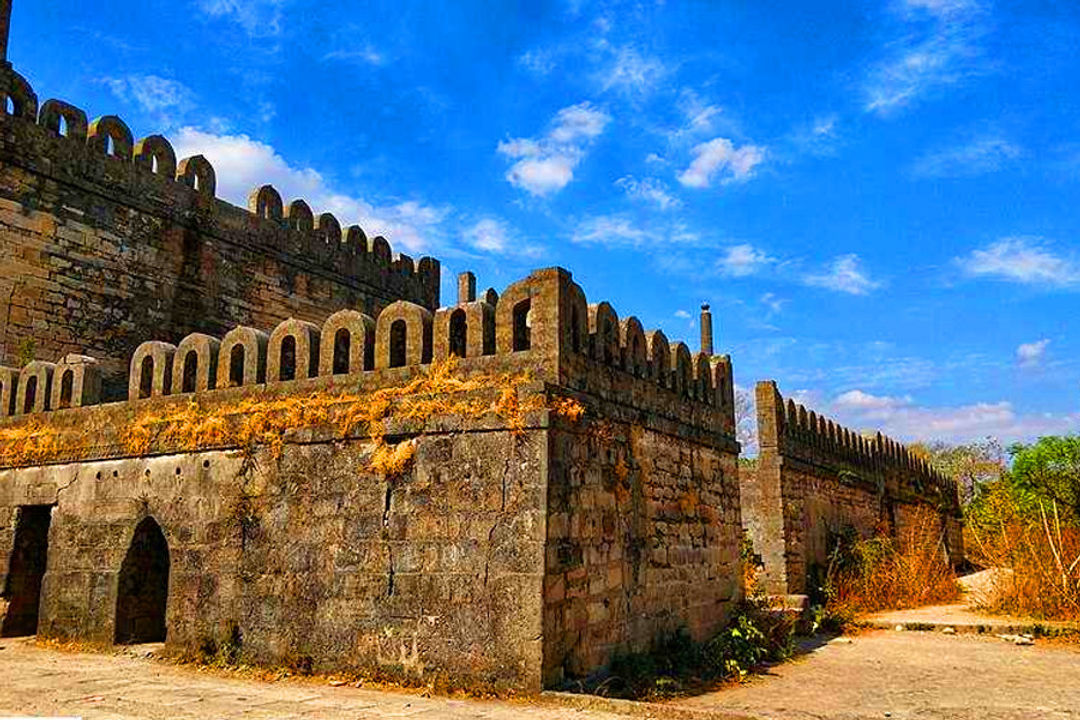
(513,550)
(106,242)
(814,478)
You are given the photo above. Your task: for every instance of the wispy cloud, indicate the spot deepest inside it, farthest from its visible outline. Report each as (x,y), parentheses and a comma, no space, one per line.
(719,158)
(1029,355)
(903,418)
(164,98)
(743,260)
(623,231)
(1023,260)
(242,164)
(939,47)
(365,54)
(844,274)
(258,18)
(545,165)
(982,155)
(631,72)
(649,190)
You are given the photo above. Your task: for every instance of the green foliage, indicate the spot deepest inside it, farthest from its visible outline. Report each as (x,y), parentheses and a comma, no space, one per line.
(25,351)
(971,465)
(1048,469)
(677,664)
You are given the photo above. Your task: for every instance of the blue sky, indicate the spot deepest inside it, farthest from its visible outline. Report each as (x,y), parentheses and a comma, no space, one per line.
(878,197)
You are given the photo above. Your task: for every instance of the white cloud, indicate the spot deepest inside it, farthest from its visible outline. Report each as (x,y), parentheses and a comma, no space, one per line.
(259,18)
(622,231)
(772,302)
(719,156)
(541,62)
(1021,260)
(631,72)
(1031,354)
(242,164)
(743,260)
(844,274)
(683,314)
(366,54)
(546,164)
(902,418)
(156,95)
(981,155)
(939,48)
(649,190)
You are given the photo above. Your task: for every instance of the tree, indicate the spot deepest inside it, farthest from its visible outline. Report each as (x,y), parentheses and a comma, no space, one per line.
(1049,468)
(971,466)
(745,421)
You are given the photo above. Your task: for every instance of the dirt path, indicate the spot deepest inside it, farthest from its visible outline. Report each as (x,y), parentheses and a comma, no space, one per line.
(35,681)
(914,676)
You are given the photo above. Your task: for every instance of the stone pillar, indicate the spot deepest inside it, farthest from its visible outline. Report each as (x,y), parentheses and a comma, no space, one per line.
(706,330)
(466,288)
(5,27)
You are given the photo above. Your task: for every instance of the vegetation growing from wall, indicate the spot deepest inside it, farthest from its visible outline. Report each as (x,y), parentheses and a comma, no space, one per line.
(267,420)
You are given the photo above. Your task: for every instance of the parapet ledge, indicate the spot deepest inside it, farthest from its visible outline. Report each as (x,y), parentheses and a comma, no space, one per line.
(108,143)
(530,326)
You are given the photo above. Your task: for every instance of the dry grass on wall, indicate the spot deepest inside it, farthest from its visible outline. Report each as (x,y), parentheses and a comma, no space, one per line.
(1035,553)
(263,421)
(882,573)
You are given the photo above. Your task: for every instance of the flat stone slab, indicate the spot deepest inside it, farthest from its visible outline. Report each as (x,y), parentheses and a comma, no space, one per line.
(963,619)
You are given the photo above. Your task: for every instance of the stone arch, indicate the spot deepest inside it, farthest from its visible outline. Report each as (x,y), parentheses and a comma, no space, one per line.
(353,354)
(682,373)
(381,254)
(303,337)
(417,334)
(198,174)
(265,202)
(142,590)
(150,374)
(110,128)
(355,240)
(632,340)
(242,358)
(604,334)
(659,350)
(328,229)
(155,154)
(53,111)
(24,102)
(84,375)
(477,319)
(195,364)
(298,216)
(35,388)
(490,297)
(703,381)
(9,390)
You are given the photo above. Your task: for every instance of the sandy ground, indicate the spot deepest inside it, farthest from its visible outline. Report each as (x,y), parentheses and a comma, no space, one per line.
(914,675)
(878,674)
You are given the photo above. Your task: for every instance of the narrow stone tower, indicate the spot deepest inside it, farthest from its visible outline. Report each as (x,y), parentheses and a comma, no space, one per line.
(706,330)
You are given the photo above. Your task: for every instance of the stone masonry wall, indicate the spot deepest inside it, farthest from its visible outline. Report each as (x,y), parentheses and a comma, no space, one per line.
(814,478)
(106,243)
(309,556)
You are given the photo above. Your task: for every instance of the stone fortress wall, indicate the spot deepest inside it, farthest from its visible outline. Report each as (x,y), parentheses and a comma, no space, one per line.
(503,556)
(814,478)
(106,242)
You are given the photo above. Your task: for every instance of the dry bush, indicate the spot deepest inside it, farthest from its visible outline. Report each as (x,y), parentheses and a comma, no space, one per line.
(882,573)
(1036,553)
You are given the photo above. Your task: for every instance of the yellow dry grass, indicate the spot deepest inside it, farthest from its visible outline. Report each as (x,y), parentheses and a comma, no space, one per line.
(265,421)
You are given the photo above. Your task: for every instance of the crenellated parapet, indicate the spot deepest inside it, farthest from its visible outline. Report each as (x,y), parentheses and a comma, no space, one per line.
(541,324)
(102,156)
(793,431)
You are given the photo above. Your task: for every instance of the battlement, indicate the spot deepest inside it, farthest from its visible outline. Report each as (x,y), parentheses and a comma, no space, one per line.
(542,325)
(796,432)
(102,156)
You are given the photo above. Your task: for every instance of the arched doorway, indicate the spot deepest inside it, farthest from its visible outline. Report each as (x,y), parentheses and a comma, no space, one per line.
(143,587)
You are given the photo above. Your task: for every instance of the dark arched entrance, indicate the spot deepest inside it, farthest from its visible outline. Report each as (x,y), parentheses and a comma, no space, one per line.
(143,587)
